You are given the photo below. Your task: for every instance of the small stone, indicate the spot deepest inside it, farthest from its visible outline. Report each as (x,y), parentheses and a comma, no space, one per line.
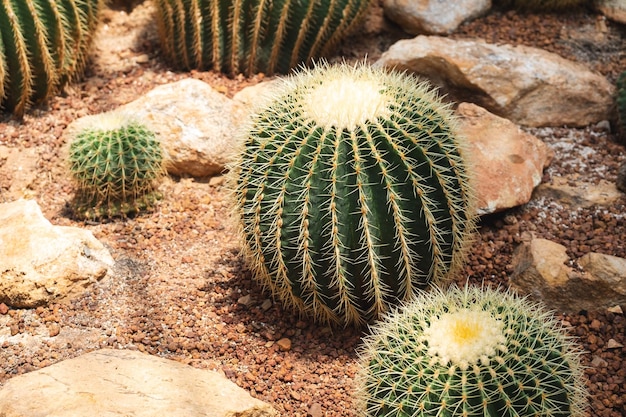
(187,259)
(598,362)
(245,300)
(615,309)
(216,181)
(54,330)
(4,309)
(295,395)
(284,344)
(315,410)
(595,324)
(267,304)
(613,344)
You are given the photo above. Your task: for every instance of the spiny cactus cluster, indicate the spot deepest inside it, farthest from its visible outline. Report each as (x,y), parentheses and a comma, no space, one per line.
(542,5)
(43,44)
(251,36)
(470,352)
(115,162)
(621,105)
(352,192)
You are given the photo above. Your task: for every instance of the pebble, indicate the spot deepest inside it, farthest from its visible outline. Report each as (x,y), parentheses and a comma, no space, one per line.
(613,344)
(4,309)
(284,344)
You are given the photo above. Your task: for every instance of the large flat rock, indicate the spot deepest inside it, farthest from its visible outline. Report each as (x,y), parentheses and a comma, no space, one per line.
(117,383)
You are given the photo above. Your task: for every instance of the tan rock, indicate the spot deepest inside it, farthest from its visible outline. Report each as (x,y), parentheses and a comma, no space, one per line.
(120,383)
(540,269)
(527,85)
(433,16)
(508,162)
(40,263)
(582,194)
(194,122)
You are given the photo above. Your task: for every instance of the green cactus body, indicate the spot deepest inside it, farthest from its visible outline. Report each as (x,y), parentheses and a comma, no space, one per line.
(352,192)
(470,352)
(621,105)
(115,162)
(43,44)
(250,36)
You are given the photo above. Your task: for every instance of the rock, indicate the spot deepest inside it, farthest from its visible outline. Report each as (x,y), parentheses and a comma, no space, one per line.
(508,162)
(248,100)
(121,383)
(576,193)
(527,85)
(613,9)
(41,263)
(540,269)
(194,122)
(433,16)
(613,344)
(284,344)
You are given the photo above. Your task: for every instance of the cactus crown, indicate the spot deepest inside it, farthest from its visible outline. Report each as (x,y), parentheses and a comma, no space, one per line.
(250,36)
(352,192)
(43,44)
(115,162)
(470,352)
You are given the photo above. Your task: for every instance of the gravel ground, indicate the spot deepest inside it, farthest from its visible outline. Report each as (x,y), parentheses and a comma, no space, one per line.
(181,290)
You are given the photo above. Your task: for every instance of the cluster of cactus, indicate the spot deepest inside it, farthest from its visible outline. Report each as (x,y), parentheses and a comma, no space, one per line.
(251,36)
(352,192)
(620,101)
(470,352)
(43,44)
(541,5)
(116,163)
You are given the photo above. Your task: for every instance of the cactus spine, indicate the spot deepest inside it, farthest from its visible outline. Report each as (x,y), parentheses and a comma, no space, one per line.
(470,352)
(43,44)
(352,192)
(115,162)
(250,36)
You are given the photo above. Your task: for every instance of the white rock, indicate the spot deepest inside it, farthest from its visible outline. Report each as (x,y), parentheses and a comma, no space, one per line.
(508,162)
(41,263)
(194,122)
(527,85)
(433,16)
(540,268)
(120,383)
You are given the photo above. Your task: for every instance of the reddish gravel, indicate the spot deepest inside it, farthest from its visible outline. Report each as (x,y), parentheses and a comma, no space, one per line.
(180,289)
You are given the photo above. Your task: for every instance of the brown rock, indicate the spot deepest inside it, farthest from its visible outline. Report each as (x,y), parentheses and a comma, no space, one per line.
(508,162)
(540,269)
(529,86)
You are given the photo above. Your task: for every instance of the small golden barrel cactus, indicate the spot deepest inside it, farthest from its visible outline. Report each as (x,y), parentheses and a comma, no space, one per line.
(116,163)
(352,192)
(43,44)
(470,352)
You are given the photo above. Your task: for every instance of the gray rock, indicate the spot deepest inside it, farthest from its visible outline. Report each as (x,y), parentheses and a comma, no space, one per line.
(433,16)
(41,263)
(541,269)
(528,86)
(120,383)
